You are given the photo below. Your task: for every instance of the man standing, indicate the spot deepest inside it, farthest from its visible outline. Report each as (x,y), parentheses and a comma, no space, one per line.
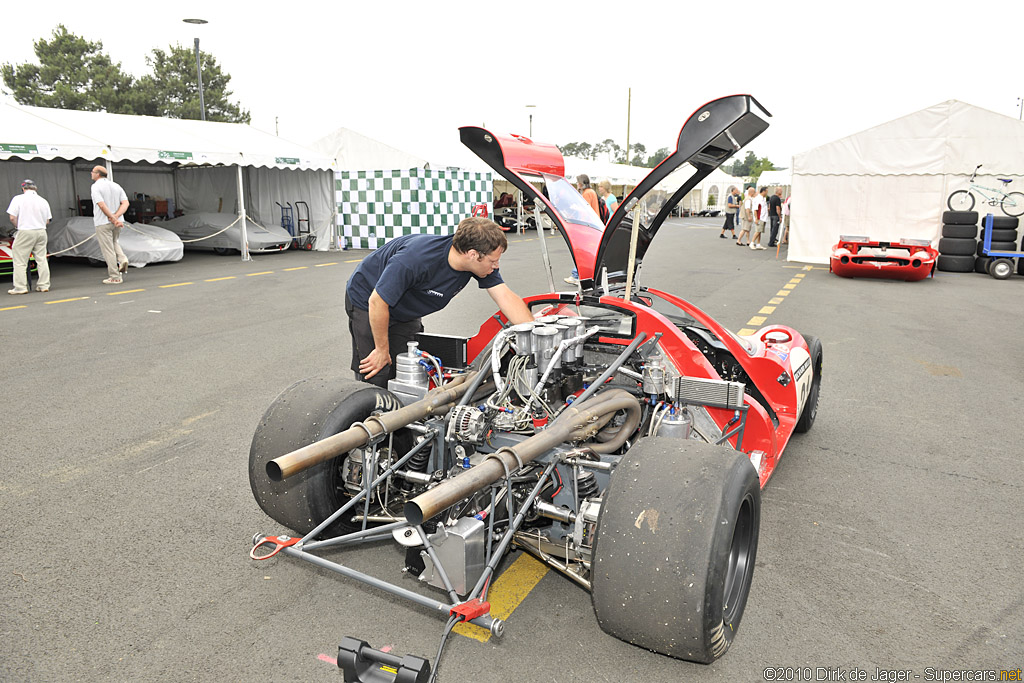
(775,216)
(415,275)
(29,213)
(732,207)
(109,202)
(760,217)
(746,217)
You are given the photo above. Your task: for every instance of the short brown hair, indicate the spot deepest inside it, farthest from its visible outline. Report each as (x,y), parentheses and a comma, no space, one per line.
(481,234)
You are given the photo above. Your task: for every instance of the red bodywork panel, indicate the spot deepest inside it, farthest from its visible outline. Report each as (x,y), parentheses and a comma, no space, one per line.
(900,260)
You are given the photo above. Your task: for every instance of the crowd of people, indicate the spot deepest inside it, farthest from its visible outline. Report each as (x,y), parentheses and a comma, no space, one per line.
(754,212)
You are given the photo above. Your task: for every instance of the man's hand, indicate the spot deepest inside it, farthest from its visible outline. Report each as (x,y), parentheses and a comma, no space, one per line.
(374,363)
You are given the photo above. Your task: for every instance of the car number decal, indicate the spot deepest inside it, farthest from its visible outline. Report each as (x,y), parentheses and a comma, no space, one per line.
(800,361)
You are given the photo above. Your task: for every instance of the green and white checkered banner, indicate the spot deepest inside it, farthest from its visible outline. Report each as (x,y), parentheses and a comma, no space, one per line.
(376,206)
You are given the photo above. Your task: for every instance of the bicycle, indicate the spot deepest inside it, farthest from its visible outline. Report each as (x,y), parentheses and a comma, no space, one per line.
(1012,203)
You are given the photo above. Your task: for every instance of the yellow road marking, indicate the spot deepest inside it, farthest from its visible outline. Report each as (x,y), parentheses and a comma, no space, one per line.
(510,589)
(297,268)
(746,332)
(767,310)
(218,279)
(789,286)
(782,292)
(757,320)
(265,272)
(357,260)
(60,301)
(775,300)
(11,308)
(794,281)
(177,284)
(127,291)
(321,265)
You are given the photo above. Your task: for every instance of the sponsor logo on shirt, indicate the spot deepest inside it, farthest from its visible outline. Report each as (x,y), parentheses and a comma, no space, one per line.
(435,293)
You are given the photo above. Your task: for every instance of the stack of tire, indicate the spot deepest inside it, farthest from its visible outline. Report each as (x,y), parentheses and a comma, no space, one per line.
(959,242)
(1004,238)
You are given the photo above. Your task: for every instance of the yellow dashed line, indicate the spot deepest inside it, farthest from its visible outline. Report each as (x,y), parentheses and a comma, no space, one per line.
(11,308)
(789,286)
(60,301)
(177,284)
(757,320)
(782,292)
(355,260)
(510,589)
(127,291)
(321,265)
(767,310)
(746,332)
(218,279)
(776,300)
(297,268)
(265,272)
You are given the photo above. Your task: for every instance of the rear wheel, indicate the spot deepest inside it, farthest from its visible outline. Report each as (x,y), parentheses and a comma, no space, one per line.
(961,200)
(688,514)
(306,412)
(1013,204)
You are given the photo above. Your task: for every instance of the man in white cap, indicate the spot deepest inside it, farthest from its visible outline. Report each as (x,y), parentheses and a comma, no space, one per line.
(29,213)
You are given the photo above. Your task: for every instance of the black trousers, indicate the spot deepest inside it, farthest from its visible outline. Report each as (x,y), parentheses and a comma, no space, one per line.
(399,335)
(730,222)
(773,236)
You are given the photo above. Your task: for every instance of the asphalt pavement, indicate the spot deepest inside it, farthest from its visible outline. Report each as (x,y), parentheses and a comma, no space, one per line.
(891,535)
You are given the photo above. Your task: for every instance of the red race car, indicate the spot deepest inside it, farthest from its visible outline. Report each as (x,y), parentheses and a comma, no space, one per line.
(905,259)
(622,437)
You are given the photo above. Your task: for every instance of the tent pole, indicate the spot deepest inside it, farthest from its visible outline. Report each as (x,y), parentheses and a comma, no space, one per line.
(244,246)
(110,169)
(74,187)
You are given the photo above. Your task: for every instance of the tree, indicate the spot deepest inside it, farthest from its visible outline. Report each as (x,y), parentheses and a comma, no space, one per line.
(73,73)
(637,153)
(742,168)
(172,90)
(657,157)
(759,167)
(580,150)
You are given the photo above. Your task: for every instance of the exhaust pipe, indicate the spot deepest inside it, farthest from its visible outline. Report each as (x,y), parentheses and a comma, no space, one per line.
(577,422)
(437,401)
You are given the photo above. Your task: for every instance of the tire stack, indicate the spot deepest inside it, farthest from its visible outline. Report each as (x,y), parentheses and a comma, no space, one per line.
(1004,238)
(958,245)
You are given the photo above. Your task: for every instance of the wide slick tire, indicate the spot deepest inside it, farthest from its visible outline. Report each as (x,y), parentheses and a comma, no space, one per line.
(308,411)
(960,231)
(955,246)
(675,548)
(955,264)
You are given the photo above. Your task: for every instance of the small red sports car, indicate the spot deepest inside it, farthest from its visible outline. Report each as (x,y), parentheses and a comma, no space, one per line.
(905,259)
(622,437)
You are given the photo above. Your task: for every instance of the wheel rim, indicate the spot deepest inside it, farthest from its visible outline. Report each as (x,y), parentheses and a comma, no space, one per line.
(1000,269)
(737,576)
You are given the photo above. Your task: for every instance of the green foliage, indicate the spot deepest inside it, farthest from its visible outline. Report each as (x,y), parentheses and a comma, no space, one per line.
(74,73)
(752,165)
(172,89)
(712,200)
(657,157)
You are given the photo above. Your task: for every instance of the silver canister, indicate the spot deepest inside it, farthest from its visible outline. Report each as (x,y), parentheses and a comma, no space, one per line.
(545,343)
(408,370)
(548,319)
(569,353)
(677,425)
(576,328)
(524,338)
(654,376)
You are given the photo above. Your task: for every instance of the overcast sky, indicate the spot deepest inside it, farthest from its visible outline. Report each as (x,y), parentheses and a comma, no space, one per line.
(411,73)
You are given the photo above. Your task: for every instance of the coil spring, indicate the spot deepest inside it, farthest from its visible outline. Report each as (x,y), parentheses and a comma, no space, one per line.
(586,485)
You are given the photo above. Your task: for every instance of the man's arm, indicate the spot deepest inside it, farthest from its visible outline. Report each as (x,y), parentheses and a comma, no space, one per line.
(380,357)
(514,308)
(14,219)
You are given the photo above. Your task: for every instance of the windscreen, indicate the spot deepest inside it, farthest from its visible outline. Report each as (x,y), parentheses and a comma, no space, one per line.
(651,204)
(571,206)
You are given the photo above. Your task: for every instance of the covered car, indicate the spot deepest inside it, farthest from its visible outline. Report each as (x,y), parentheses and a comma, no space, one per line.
(222,232)
(7,258)
(142,243)
(904,259)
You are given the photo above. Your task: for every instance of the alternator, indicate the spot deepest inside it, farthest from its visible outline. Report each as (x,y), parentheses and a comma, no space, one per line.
(467,424)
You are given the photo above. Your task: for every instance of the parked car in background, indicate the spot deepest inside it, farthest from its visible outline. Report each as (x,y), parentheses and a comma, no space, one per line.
(142,244)
(7,258)
(222,233)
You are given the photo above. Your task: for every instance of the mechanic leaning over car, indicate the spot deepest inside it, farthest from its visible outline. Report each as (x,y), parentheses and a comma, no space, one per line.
(415,275)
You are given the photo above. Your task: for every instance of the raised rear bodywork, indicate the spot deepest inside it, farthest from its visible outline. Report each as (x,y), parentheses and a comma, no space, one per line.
(904,259)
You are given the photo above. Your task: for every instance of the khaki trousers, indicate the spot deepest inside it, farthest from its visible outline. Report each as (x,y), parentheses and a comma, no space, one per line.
(30,242)
(107,235)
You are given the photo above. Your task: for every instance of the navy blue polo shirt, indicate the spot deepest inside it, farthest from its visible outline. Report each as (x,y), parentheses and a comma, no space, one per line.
(411,274)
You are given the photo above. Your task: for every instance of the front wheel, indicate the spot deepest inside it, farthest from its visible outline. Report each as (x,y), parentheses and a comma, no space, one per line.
(961,200)
(1013,204)
(675,548)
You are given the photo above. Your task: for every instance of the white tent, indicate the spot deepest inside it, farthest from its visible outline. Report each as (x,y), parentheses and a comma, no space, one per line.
(356,152)
(617,174)
(782,178)
(891,181)
(196,164)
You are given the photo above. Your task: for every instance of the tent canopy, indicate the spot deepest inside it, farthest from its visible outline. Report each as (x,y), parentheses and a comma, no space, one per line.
(44,133)
(891,181)
(356,152)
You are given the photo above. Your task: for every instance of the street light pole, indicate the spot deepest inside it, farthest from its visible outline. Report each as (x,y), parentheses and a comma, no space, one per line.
(531,106)
(199,70)
(1020,109)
